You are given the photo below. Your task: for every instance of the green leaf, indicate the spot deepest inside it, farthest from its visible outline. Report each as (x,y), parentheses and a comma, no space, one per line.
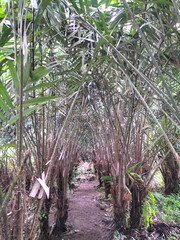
(5,95)
(39,73)
(132,167)
(2,117)
(41,9)
(2,15)
(108,3)
(97,25)
(99,44)
(14,75)
(94,3)
(3,106)
(43,31)
(28,16)
(82,6)
(8,145)
(75,6)
(5,35)
(103,22)
(38,100)
(39,86)
(87,7)
(26,112)
(155,2)
(151,197)
(107,178)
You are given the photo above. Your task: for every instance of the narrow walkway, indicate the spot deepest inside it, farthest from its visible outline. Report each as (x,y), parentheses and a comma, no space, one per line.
(87,221)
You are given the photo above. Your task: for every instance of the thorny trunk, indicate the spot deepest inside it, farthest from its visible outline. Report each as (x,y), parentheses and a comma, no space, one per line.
(62,205)
(44,219)
(121,208)
(138,195)
(171,174)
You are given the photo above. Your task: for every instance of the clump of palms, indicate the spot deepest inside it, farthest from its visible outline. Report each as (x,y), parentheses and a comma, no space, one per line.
(70,69)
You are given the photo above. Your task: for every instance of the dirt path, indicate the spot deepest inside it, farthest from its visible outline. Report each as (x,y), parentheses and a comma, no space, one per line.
(87,219)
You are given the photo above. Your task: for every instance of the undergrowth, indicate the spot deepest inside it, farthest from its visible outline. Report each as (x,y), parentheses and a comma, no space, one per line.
(165,208)
(168,207)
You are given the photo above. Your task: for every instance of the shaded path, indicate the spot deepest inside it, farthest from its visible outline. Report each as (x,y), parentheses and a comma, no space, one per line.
(87,221)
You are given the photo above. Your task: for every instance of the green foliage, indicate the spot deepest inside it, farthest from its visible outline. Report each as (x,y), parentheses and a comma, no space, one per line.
(109,198)
(76,172)
(43,216)
(14,75)
(5,95)
(101,189)
(39,73)
(132,167)
(168,207)
(119,236)
(8,145)
(148,210)
(39,86)
(107,178)
(25,112)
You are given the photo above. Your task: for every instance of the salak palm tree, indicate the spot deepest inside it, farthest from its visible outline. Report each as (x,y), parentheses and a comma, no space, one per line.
(65,64)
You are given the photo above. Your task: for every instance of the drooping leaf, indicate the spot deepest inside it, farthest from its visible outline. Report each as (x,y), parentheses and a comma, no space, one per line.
(25,112)
(75,6)
(132,167)
(87,7)
(2,116)
(39,73)
(39,86)
(103,21)
(99,44)
(5,94)
(41,9)
(2,15)
(97,25)
(3,106)
(38,100)
(8,145)
(107,178)
(82,6)
(94,3)
(5,36)
(14,75)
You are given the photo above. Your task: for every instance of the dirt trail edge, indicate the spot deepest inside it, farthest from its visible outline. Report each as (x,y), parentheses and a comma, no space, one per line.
(87,220)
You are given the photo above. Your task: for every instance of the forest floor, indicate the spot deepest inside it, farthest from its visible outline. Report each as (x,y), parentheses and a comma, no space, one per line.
(88,218)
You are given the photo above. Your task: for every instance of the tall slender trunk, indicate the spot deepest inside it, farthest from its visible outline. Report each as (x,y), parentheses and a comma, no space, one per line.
(20,133)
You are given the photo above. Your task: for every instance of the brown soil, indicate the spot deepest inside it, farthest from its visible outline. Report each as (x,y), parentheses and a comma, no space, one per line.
(87,218)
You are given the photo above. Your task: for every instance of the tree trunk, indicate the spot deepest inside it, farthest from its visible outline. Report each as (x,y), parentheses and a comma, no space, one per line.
(138,196)
(171,171)
(44,220)
(62,205)
(121,209)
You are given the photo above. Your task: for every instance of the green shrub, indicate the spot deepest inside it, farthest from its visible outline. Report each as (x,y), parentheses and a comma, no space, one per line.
(148,210)
(168,207)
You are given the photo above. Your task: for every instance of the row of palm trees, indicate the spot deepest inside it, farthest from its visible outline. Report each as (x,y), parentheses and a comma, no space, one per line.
(102,76)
